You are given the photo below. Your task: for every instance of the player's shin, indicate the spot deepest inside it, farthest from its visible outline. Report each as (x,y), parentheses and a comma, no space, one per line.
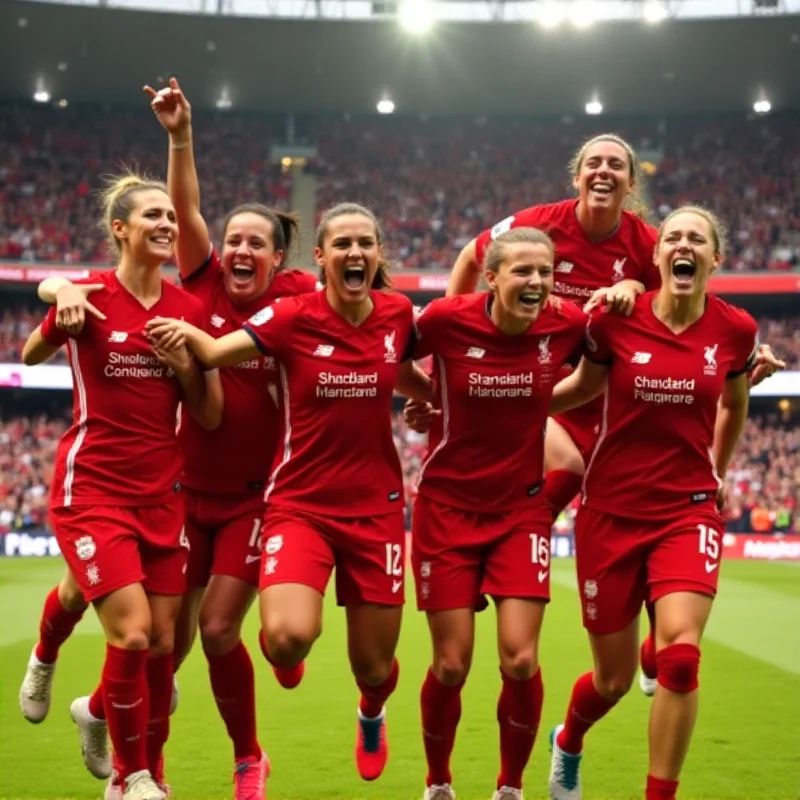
(519,710)
(441,713)
(674,711)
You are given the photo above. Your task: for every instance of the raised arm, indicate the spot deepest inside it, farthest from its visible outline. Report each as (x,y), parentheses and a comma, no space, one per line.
(466,273)
(583,385)
(226,351)
(175,115)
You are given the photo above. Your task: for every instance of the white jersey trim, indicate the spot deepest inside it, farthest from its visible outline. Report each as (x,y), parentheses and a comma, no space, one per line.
(83,411)
(287,439)
(445,421)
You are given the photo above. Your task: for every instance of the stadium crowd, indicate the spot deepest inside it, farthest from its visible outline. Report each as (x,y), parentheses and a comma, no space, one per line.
(764,475)
(434,183)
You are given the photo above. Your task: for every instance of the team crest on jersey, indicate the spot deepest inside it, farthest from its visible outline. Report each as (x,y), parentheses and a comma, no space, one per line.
(260,317)
(619,266)
(544,350)
(85,548)
(710,355)
(390,356)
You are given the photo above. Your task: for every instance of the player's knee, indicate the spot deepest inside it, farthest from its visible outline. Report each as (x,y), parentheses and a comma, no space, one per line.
(614,685)
(372,670)
(451,669)
(130,638)
(519,664)
(679,667)
(288,646)
(70,596)
(219,634)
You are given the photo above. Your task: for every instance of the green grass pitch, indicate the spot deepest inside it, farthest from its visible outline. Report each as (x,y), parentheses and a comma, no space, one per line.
(746,744)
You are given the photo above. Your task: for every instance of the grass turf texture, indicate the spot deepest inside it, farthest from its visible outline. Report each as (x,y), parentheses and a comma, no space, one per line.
(745,744)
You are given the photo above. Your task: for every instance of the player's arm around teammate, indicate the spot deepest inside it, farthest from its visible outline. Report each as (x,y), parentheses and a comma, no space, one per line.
(604,250)
(114,504)
(654,534)
(335,494)
(481,526)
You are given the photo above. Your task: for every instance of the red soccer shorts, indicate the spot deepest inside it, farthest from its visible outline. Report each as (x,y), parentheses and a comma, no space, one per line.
(368,553)
(623,562)
(109,547)
(224,532)
(460,556)
(584,435)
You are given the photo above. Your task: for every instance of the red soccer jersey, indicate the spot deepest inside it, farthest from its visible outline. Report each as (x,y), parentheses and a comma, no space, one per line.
(583,265)
(121,448)
(653,458)
(486,450)
(237,456)
(338,457)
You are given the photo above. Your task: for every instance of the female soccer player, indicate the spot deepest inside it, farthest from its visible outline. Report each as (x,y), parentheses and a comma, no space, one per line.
(655,534)
(497,357)
(116,506)
(226,468)
(599,244)
(335,495)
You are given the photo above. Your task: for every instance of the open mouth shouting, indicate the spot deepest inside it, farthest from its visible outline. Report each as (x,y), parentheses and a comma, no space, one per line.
(530,300)
(683,272)
(242,274)
(355,278)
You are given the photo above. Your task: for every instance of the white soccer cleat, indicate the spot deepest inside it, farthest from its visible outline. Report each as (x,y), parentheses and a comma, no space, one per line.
(173,703)
(565,775)
(507,793)
(141,786)
(647,685)
(439,791)
(34,694)
(94,738)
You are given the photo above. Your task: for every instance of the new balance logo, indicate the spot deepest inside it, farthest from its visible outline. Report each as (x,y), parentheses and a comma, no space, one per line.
(475,352)
(324,350)
(118,336)
(641,358)
(711,566)
(217,321)
(564,266)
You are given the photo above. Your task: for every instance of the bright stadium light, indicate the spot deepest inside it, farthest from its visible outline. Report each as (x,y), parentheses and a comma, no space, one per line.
(41,96)
(582,13)
(762,106)
(550,13)
(385,106)
(654,11)
(224,100)
(594,107)
(416,16)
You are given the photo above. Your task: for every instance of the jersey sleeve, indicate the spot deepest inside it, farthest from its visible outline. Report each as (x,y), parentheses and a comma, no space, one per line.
(597,337)
(428,327)
(746,346)
(532,217)
(204,276)
(271,328)
(50,333)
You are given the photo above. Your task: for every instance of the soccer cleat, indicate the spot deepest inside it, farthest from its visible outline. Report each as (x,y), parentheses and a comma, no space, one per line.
(287,677)
(372,750)
(565,776)
(141,786)
(34,694)
(439,791)
(507,793)
(647,685)
(94,738)
(250,778)
(173,703)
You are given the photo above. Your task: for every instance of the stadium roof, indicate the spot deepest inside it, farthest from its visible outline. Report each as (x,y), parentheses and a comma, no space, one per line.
(102,54)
